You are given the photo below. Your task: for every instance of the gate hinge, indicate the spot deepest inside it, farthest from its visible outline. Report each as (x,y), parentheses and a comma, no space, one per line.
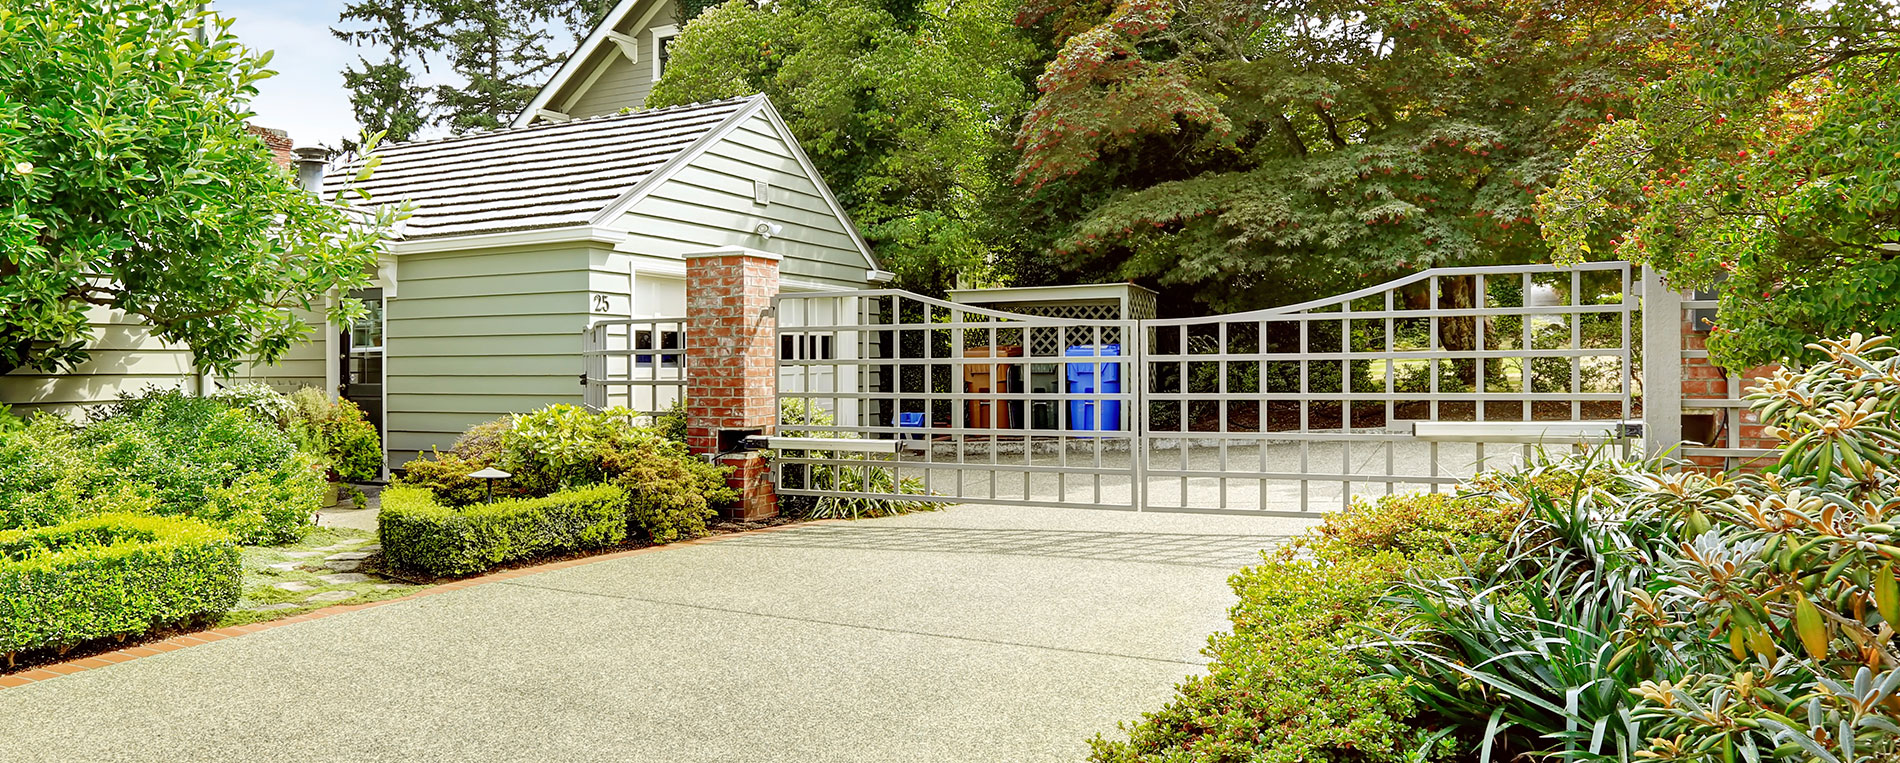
(583,378)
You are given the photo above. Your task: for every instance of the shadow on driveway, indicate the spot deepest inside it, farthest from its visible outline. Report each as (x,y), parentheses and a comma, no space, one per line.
(1185,549)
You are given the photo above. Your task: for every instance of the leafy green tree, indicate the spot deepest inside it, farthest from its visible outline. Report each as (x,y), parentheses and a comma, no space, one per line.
(1771,167)
(904,106)
(497,54)
(1244,154)
(132,182)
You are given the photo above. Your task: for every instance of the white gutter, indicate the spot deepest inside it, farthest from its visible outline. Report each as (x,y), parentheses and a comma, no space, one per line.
(569,235)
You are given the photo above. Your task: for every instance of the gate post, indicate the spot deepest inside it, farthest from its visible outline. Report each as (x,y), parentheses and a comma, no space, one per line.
(1662,364)
(732,368)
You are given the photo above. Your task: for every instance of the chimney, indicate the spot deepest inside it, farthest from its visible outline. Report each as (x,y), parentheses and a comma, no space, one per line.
(311,161)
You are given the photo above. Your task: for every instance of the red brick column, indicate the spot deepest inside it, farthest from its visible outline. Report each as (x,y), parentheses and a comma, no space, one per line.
(1702,380)
(731,363)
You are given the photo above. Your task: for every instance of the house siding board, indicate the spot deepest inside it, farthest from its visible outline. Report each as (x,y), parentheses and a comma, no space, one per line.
(468,343)
(709,204)
(625,84)
(304,365)
(125,358)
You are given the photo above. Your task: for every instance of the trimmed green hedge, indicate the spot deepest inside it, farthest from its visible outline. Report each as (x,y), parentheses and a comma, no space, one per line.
(419,533)
(111,575)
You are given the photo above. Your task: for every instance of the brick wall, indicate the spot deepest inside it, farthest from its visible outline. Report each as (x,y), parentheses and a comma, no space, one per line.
(1702,380)
(732,367)
(280,144)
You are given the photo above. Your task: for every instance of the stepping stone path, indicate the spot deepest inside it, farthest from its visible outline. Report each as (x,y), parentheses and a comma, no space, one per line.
(347,555)
(302,554)
(344,566)
(343,578)
(331,596)
(293,585)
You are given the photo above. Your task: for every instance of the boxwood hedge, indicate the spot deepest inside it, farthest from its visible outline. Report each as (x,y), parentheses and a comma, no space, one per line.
(111,575)
(418,533)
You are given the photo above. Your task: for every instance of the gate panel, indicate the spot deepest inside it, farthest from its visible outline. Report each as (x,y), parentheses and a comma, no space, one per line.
(978,402)
(1412,384)
(1298,409)
(637,363)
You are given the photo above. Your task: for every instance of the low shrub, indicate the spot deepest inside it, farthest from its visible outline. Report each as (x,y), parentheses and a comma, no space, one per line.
(671,493)
(111,575)
(446,476)
(1285,683)
(337,433)
(168,454)
(419,533)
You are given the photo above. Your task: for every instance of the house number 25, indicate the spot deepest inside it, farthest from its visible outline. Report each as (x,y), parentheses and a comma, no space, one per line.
(600,303)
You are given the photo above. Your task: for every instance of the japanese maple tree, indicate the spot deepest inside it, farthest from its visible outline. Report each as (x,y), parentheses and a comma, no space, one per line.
(1251,153)
(1771,167)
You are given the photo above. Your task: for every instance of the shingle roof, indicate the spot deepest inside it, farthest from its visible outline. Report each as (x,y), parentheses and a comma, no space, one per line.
(543,176)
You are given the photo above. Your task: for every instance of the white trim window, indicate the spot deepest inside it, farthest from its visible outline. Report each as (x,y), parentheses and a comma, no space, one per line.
(662,38)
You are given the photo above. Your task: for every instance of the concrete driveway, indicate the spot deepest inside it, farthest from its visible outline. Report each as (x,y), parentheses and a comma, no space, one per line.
(976,633)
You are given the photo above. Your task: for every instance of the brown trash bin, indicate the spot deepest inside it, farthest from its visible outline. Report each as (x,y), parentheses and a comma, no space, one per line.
(991,414)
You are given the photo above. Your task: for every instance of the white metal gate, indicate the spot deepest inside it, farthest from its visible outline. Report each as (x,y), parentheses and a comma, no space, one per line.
(1412,384)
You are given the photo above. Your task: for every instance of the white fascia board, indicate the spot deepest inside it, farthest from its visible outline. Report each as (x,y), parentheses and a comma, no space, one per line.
(794,284)
(575,234)
(621,206)
(572,66)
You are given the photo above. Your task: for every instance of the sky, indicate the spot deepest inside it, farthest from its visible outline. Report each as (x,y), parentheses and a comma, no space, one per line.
(307,97)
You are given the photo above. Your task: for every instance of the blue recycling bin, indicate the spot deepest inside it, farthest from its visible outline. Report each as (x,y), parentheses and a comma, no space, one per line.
(1082,380)
(911,421)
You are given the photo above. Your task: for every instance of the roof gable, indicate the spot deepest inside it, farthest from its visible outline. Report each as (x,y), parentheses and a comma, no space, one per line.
(578,65)
(543,176)
(761,106)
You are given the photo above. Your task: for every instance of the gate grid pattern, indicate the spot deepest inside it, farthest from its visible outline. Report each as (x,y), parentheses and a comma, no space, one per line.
(635,363)
(1412,384)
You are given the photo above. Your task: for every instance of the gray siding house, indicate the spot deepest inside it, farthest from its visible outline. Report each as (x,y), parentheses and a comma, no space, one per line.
(614,68)
(584,211)
(522,237)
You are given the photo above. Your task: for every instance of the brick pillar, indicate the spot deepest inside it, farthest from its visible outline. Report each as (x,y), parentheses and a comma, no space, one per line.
(1702,380)
(732,364)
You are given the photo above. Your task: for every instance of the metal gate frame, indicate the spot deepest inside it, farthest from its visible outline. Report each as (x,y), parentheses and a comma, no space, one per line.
(986,382)
(634,363)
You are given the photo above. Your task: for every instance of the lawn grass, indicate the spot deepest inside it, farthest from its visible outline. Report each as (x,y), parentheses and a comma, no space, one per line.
(271,572)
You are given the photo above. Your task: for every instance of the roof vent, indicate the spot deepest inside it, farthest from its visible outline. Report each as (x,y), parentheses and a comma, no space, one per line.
(311,161)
